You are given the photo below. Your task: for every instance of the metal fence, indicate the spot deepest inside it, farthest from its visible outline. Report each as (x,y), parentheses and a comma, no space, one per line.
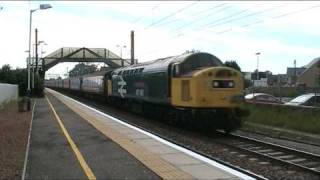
(8,92)
(283,91)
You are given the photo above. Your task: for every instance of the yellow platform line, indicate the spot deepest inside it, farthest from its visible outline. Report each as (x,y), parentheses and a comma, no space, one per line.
(76,151)
(155,163)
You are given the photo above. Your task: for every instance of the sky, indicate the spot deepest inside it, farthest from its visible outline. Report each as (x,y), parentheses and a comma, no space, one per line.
(281,31)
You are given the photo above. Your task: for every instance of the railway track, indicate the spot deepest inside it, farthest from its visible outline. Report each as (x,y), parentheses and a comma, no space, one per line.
(304,160)
(275,134)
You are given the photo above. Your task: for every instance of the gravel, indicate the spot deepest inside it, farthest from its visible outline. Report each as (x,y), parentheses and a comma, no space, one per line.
(14,131)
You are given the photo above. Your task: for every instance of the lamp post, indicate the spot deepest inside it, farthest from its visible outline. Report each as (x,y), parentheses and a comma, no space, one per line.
(32,62)
(258,53)
(124,46)
(41,7)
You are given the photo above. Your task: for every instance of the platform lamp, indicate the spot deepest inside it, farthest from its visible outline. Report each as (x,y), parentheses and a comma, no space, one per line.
(41,7)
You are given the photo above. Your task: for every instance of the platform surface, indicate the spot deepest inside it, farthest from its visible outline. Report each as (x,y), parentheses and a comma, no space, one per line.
(110,148)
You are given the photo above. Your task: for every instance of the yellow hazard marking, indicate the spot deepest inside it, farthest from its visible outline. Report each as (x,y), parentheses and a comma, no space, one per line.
(76,151)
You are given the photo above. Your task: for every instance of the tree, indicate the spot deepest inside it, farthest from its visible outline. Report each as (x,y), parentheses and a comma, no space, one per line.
(81,69)
(6,74)
(20,77)
(191,51)
(232,64)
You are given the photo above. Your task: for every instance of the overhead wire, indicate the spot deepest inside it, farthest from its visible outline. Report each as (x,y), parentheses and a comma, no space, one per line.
(141,17)
(194,14)
(261,21)
(232,15)
(214,24)
(228,20)
(179,35)
(225,18)
(274,17)
(198,19)
(295,12)
(179,19)
(168,16)
(172,14)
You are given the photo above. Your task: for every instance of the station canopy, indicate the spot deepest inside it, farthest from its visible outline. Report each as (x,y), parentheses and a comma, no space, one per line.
(76,54)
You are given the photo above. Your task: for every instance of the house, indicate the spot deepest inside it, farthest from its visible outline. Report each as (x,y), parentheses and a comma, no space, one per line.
(278,80)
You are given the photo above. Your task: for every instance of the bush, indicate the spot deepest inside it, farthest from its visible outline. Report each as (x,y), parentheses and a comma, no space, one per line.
(289,117)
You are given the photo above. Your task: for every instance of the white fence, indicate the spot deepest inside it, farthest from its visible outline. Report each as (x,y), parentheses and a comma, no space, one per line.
(8,92)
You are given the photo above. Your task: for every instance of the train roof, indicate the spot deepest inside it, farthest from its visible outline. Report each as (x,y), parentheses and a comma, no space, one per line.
(163,63)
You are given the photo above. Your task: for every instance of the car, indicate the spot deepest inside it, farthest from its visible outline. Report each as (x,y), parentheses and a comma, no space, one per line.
(311,99)
(262,98)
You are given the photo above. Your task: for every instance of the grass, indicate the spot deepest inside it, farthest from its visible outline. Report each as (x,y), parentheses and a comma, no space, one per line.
(294,118)
(14,130)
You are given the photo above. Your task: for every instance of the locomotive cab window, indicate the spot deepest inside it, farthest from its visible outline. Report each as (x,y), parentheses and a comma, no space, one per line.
(198,61)
(176,70)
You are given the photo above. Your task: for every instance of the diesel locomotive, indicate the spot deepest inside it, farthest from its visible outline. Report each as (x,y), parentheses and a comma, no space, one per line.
(191,89)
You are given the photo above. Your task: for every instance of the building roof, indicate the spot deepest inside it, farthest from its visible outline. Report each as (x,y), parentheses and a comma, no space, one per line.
(311,64)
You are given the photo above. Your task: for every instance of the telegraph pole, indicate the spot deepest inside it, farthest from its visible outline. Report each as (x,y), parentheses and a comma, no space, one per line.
(132,47)
(36,51)
(295,73)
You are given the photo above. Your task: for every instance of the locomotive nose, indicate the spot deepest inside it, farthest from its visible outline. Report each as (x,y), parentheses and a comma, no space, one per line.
(222,87)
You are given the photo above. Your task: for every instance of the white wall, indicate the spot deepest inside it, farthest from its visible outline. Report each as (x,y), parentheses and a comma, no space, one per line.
(263,82)
(8,92)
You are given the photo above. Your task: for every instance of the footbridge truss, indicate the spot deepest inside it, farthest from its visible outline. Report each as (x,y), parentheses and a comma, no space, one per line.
(76,54)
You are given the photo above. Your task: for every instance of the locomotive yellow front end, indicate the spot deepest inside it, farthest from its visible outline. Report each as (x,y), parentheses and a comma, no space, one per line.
(207,92)
(212,87)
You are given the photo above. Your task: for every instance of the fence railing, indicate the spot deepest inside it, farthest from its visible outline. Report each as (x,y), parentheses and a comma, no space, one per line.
(283,91)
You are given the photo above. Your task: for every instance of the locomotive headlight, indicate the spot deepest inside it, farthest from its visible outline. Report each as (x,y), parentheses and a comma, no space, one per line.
(215,84)
(231,84)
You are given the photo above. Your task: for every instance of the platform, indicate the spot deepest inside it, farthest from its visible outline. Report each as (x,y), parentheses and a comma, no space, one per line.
(70,140)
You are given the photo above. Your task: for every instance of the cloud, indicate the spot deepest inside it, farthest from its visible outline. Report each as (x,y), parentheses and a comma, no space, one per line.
(106,24)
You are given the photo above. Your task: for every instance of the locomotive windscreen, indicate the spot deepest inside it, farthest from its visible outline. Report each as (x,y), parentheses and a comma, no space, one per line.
(197,61)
